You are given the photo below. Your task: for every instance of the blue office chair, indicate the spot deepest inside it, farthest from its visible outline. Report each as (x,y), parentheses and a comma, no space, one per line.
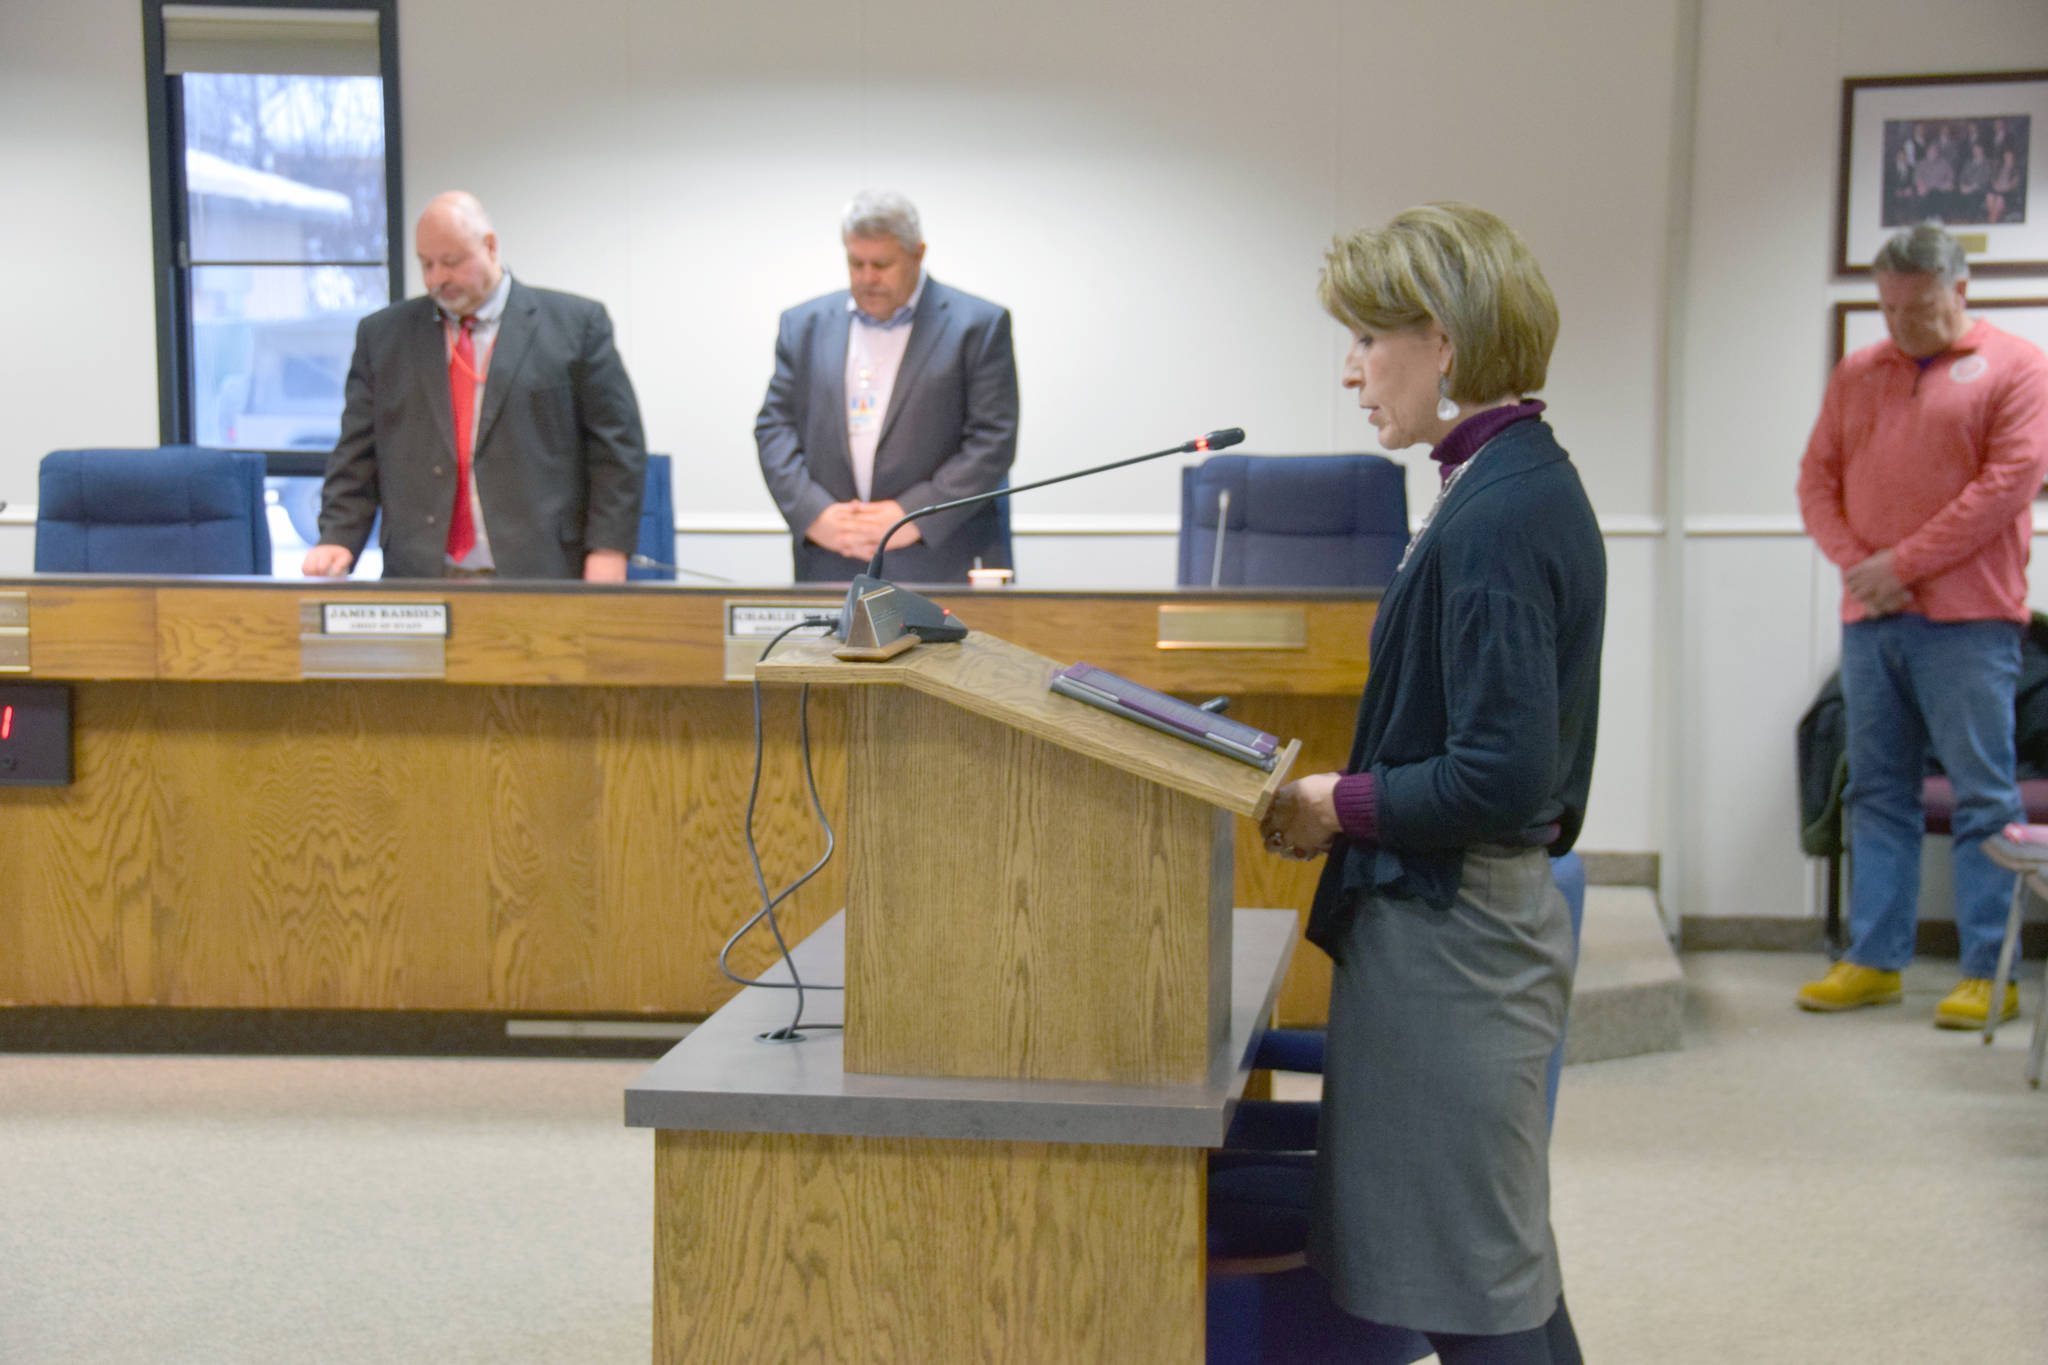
(657,520)
(1263,1306)
(167,510)
(1294,521)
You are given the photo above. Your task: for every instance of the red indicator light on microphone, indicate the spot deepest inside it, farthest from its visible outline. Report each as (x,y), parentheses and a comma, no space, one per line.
(6,721)
(1202,443)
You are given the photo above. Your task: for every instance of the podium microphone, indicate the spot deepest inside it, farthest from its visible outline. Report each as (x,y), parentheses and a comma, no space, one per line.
(881,620)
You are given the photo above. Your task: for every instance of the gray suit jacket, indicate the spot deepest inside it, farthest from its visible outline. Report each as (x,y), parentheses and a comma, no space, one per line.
(560,460)
(950,431)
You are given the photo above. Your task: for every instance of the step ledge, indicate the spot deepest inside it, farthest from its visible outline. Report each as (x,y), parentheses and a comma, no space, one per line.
(1629,996)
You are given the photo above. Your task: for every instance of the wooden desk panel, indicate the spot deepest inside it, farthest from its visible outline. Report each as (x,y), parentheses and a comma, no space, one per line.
(222,633)
(563,834)
(406,845)
(798,1247)
(80,863)
(86,631)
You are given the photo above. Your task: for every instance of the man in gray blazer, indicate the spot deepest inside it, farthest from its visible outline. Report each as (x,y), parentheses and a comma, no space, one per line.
(543,475)
(894,394)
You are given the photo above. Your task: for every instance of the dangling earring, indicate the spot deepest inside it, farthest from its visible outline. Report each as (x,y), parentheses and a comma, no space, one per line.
(1446,410)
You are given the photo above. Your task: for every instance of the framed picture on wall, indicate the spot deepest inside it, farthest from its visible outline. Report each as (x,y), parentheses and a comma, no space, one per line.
(1969,151)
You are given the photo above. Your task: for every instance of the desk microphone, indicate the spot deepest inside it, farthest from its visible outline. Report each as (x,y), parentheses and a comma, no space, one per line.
(879,616)
(639,561)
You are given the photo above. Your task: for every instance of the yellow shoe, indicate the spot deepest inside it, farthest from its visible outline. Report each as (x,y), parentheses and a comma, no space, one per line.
(1970,1001)
(1846,986)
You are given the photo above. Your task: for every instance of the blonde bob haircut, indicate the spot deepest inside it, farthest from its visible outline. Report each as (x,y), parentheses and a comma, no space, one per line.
(1463,269)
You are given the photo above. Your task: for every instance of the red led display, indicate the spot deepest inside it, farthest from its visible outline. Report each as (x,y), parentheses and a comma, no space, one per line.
(35,734)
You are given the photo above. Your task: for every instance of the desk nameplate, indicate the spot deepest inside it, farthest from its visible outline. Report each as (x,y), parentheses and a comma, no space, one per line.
(1215,627)
(373,639)
(750,625)
(381,619)
(13,632)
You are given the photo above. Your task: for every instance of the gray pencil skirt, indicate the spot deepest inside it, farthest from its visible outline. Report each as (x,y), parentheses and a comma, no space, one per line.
(1432,1201)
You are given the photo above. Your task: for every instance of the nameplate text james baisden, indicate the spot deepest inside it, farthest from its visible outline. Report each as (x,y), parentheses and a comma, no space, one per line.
(385,618)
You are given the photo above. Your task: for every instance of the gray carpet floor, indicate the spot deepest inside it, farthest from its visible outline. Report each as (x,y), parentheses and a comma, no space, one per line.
(1852,1189)
(1789,1188)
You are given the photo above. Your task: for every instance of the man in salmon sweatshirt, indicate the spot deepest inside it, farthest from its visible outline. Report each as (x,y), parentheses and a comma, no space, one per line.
(1918,482)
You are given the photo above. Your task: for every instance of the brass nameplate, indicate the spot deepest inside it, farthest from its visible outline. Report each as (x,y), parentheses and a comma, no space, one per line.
(749,626)
(1973,243)
(370,656)
(13,632)
(1214,627)
(374,640)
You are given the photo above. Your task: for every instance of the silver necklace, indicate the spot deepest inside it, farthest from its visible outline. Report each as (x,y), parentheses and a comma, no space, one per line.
(1441,493)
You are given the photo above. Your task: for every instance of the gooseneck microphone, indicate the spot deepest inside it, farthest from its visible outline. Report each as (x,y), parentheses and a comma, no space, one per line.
(881,619)
(640,561)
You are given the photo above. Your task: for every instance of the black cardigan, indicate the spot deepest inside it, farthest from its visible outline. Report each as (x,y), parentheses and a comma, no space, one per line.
(1479,712)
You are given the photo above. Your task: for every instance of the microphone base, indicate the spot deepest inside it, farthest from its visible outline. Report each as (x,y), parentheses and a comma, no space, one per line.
(881,620)
(855,654)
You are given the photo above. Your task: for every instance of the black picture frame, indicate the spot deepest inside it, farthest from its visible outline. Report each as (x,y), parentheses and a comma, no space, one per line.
(1969,150)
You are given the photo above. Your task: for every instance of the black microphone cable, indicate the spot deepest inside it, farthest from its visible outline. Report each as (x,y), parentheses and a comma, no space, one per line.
(792,1031)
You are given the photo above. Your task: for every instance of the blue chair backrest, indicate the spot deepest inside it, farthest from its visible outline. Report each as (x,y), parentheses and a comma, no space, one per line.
(1295,521)
(657,520)
(161,510)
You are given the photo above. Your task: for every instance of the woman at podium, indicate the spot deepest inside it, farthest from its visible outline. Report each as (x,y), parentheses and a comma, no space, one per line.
(1470,767)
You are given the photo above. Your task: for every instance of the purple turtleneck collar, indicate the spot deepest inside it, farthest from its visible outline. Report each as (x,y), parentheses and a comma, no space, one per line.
(1475,431)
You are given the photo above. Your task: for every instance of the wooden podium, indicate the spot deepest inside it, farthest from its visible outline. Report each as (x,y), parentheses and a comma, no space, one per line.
(1049,1003)
(1036,888)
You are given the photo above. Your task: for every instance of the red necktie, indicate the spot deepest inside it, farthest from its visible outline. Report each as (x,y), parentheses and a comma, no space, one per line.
(462,380)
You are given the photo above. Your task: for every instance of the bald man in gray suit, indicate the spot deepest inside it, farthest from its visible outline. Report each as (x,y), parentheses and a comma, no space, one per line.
(552,486)
(891,395)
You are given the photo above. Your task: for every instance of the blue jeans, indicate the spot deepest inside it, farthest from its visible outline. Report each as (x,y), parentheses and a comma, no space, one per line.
(1908,683)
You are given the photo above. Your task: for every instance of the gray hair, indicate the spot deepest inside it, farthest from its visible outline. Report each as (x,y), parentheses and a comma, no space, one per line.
(1924,250)
(882,213)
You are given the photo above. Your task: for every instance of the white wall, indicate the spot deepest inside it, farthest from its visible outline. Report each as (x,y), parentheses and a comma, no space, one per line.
(78,353)
(1149,186)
